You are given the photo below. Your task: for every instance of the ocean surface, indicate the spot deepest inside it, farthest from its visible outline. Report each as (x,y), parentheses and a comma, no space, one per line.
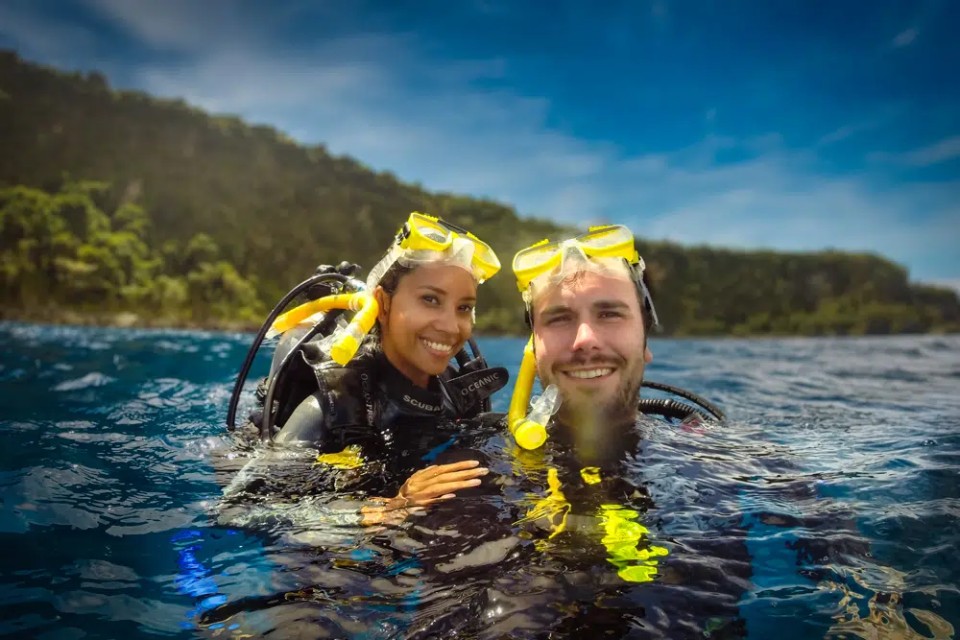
(826,506)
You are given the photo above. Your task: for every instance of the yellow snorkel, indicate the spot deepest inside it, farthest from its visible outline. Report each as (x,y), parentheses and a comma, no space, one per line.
(529,429)
(343,343)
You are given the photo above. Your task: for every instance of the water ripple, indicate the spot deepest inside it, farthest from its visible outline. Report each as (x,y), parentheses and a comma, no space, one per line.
(827,506)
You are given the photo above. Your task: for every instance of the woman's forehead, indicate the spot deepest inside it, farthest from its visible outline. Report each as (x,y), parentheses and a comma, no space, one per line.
(450,278)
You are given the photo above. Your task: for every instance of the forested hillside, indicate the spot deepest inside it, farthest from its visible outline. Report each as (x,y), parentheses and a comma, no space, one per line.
(115,202)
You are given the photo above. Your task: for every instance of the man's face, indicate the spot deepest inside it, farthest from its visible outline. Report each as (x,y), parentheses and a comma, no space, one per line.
(589,341)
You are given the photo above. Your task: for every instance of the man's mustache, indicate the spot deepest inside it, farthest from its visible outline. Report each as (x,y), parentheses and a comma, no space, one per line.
(598,360)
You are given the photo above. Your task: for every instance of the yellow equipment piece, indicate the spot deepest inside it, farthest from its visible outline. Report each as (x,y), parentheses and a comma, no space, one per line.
(344,341)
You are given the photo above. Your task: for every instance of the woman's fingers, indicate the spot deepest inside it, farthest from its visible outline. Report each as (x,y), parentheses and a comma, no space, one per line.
(438,481)
(443,483)
(441,488)
(435,470)
(419,484)
(435,483)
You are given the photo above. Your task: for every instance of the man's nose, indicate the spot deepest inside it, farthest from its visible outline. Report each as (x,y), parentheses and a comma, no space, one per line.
(586,337)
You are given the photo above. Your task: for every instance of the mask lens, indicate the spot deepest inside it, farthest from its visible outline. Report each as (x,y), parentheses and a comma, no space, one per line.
(433,234)
(613,241)
(427,234)
(606,238)
(535,257)
(485,259)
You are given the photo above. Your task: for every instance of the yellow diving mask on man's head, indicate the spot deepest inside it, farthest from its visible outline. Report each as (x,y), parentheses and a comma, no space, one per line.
(426,239)
(607,248)
(608,241)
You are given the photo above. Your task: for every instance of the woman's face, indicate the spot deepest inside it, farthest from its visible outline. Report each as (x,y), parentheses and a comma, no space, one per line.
(427,319)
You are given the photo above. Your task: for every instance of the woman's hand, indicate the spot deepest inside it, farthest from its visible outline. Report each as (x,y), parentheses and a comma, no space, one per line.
(425,487)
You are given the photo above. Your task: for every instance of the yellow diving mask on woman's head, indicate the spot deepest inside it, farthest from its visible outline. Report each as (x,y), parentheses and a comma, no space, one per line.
(425,239)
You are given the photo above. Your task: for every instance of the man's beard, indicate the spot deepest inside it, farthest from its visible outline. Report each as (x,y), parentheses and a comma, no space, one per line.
(594,424)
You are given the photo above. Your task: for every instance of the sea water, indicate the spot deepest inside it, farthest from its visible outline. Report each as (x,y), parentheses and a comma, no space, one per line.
(827,505)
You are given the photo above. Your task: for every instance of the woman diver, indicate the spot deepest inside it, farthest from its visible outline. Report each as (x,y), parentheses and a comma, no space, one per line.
(390,402)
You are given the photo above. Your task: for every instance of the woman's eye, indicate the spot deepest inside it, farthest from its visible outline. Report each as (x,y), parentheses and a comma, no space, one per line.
(430,299)
(465,308)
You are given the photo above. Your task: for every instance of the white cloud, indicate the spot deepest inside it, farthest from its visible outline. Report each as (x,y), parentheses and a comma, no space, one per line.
(940,151)
(497,144)
(181,25)
(861,126)
(948,283)
(905,37)
(236,82)
(38,38)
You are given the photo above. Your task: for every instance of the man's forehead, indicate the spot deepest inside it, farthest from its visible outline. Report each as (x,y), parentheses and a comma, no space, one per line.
(585,288)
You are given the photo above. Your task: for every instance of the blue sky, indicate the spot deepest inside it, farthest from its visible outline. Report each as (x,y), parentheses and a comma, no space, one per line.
(786,125)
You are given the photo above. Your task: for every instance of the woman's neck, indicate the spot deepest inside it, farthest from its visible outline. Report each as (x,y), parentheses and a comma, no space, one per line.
(417,376)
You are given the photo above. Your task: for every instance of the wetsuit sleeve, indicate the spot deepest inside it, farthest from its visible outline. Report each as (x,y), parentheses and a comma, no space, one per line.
(283,491)
(312,520)
(307,423)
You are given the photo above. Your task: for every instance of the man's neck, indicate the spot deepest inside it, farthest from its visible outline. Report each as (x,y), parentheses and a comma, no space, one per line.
(596,437)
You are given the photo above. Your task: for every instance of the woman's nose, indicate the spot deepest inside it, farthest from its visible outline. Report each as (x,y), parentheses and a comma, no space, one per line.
(447,321)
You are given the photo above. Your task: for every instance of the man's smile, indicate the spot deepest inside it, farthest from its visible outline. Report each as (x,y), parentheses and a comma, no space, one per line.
(589,374)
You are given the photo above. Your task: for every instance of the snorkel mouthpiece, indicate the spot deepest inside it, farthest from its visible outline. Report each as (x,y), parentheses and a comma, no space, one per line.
(529,429)
(532,433)
(346,340)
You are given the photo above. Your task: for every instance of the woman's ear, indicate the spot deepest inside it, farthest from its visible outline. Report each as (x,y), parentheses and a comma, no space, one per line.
(383,304)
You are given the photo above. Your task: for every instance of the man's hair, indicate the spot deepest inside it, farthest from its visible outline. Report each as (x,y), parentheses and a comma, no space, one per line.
(578,274)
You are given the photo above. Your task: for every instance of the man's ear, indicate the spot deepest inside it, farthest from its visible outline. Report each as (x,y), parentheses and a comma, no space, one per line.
(383,304)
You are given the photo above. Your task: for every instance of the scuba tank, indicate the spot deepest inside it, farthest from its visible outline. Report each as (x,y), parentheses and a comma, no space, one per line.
(330,293)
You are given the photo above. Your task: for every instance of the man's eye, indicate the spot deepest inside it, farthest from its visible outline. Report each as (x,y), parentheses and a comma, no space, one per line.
(611,314)
(555,320)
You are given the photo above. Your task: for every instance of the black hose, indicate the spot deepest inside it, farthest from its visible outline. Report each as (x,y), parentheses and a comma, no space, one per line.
(252,353)
(669,408)
(689,395)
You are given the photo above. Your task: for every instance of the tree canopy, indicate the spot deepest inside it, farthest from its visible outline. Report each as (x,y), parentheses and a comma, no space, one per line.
(114,201)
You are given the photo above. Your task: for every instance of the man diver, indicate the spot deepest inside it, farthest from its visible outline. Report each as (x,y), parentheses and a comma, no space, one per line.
(590,313)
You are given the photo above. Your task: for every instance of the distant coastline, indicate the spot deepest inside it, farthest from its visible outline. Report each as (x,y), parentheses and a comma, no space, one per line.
(123,209)
(132,320)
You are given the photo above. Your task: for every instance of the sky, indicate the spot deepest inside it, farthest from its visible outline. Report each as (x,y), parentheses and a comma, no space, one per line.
(799,125)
